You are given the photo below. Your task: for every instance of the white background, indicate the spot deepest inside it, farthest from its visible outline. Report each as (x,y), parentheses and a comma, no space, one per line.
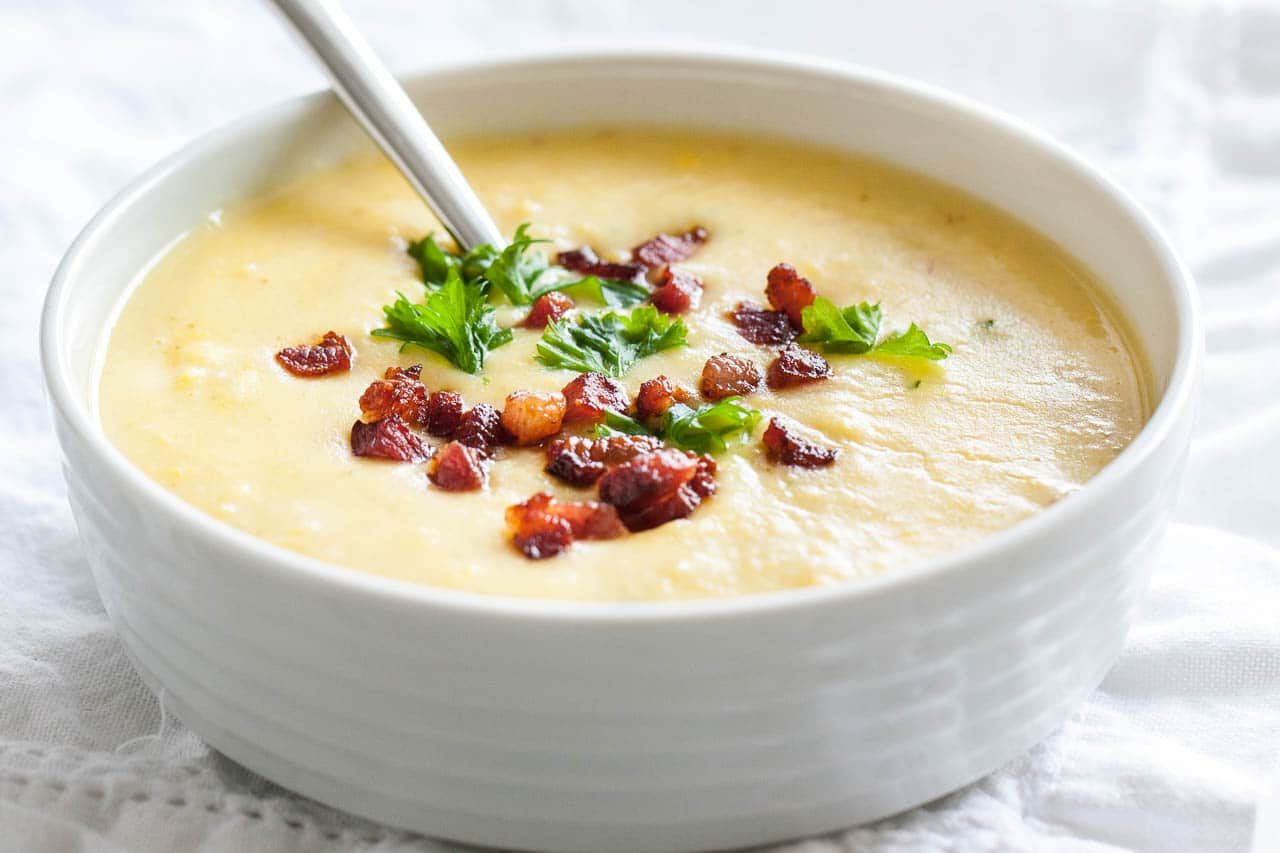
(1180,102)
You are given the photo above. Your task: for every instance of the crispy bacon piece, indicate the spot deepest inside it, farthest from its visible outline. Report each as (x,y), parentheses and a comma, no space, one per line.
(582,461)
(549,308)
(398,392)
(535,534)
(458,467)
(589,395)
(331,354)
(657,395)
(543,526)
(658,487)
(589,519)
(389,438)
(762,326)
(668,249)
(797,366)
(530,416)
(727,375)
(677,291)
(587,262)
(789,448)
(790,292)
(444,413)
(481,428)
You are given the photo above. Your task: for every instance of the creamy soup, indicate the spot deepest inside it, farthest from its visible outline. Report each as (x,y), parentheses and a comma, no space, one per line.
(1042,388)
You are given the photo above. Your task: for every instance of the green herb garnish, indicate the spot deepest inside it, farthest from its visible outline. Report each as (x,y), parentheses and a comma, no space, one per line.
(434,261)
(706,429)
(613,292)
(519,273)
(913,343)
(616,423)
(455,321)
(460,326)
(609,343)
(854,330)
(515,271)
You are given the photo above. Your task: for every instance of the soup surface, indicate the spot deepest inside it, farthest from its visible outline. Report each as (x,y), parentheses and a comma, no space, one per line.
(1041,391)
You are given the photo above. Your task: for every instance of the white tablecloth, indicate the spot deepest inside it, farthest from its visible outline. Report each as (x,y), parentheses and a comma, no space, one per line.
(1180,102)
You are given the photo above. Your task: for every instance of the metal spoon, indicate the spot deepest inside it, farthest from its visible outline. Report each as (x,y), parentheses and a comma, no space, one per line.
(378,102)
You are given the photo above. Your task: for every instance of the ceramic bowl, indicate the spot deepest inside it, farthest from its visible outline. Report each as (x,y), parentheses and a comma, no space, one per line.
(621,726)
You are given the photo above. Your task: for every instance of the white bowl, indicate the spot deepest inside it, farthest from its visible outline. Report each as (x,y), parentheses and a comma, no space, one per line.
(620,726)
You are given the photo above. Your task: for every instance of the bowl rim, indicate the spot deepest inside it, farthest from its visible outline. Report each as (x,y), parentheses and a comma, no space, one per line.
(1174,404)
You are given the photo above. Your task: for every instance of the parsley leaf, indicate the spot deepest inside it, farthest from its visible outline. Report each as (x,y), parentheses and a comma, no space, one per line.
(913,343)
(455,321)
(852,330)
(609,343)
(476,262)
(518,273)
(613,292)
(706,429)
(616,423)
(855,329)
(434,261)
(515,270)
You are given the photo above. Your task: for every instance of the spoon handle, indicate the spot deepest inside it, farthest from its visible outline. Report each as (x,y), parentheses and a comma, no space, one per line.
(374,97)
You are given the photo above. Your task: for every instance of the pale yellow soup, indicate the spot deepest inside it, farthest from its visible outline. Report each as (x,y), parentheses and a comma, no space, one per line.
(1042,391)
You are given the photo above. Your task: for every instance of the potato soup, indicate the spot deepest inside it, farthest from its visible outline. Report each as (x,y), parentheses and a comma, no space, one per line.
(992,380)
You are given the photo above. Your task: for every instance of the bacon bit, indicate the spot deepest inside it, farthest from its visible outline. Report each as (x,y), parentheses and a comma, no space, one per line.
(444,413)
(657,395)
(543,526)
(590,519)
(668,249)
(398,392)
(587,262)
(762,326)
(530,416)
(389,438)
(582,461)
(789,291)
(589,395)
(549,308)
(797,366)
(481,428)
(677,291)
(538,535)
(789,448)
(727,375)
(332,354)
(459,468)
(658,487)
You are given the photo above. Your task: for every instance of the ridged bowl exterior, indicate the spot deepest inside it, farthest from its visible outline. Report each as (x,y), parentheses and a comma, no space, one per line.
(596,727)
